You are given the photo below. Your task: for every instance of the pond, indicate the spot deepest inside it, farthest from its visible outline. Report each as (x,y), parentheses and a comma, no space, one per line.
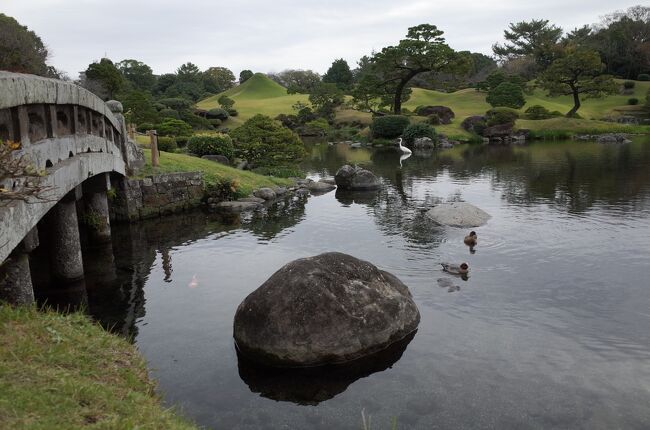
(550,330)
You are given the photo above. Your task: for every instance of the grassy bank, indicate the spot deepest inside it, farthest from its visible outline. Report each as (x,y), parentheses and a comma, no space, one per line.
(213,173)
(65,372)
(261,95)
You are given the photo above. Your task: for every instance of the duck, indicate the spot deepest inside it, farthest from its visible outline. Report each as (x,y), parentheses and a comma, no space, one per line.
(404,149)
(455,269)
(470,239)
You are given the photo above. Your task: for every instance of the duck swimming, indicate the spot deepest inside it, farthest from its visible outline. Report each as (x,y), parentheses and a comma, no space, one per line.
(455,269)
(471,239)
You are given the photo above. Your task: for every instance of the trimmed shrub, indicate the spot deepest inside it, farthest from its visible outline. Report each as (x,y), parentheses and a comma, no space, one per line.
(433,119)
(556,113)
(633,101)
(537,112)
(166,143)
(215,122)
(318,126)
(173,127)
(289,121)
(181,141)
(506,94)
(176,103)
(413,131)
(263,141)
(305,115)
(170,113)
(445,114)
(211,144)
(144,127)
(501,115)
(389,126)
(217,113)
(474,124)
(628,85)
(643,77)
(233,112)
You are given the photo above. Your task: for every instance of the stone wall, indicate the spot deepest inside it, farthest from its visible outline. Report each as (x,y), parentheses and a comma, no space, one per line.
(154,196)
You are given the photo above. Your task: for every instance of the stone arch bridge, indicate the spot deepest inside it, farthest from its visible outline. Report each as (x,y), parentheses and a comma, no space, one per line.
(80,144)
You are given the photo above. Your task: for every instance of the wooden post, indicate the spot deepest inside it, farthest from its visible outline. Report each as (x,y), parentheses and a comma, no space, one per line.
(153,139)
(131,132)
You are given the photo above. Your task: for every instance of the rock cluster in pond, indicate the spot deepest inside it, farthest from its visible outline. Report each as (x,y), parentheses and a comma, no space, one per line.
(331,308)
(458,214)
(355,178)
(423,143)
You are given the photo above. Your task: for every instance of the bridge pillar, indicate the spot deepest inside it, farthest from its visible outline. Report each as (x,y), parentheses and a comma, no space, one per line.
(96,200)
(65,246)
(15,279)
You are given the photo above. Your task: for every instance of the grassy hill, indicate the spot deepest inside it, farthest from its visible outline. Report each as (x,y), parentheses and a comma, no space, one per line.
(260,94)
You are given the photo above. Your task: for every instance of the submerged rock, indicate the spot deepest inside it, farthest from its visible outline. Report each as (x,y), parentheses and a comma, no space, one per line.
(423,143)
(331,308)
(356,178)
(613,138)
(237,206)
(458,214)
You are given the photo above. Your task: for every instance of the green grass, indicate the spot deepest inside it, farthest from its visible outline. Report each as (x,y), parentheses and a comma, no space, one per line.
(259,94)
(262,95)
(564,127)
(65,372)
(213,173)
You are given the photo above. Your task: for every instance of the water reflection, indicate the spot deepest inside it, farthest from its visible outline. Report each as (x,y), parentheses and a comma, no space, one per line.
(311,386)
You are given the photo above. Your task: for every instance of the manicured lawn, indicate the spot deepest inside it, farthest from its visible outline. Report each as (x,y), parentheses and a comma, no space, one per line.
(212,172)
(262,95)
(66,372)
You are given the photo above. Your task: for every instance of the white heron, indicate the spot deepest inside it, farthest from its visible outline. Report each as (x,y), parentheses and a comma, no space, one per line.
(404,149)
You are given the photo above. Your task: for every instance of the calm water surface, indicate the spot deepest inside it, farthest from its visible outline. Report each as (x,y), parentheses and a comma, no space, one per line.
(551,330)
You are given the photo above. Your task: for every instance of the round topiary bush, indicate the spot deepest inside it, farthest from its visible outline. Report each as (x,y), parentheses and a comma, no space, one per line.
(217,113)
(167,144)
(633,101)
(144,127)
(173,127)
(215,122)
(389,126)
(628,85)
(420,129)
(501,115)
(434,119)
(506,94)
(211,144)
(643,77)
(170,113)
(233,112)
(537,112)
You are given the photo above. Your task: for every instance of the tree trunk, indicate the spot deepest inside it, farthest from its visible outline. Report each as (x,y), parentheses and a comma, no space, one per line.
(397,104)
(576,103)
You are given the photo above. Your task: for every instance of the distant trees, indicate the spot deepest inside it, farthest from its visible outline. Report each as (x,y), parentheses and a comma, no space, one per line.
(390,70)
(218,79)
(103,78)
(245,75)
(326,97)
(296,81)
(21,50)
(577,72)
(138,75)
(339,74)
(536,39)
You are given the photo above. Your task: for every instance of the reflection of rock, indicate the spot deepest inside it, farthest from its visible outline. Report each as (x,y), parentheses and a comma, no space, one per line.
(237,206)
(458,214)
(356,178)
(310,386)
(359,197)
(331,308)
(320,187)
(423,143)
(423,153)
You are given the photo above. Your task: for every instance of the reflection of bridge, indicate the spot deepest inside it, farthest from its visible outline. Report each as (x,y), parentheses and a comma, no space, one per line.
(81,144)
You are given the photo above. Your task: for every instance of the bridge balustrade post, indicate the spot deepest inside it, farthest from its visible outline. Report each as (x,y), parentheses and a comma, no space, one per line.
(15,278)
(65,246)
(23,121)
(97,213)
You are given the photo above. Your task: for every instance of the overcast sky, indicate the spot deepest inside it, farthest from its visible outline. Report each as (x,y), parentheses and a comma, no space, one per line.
(272,35)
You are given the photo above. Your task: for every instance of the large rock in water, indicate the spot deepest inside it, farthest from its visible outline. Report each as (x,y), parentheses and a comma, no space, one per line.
(355,178)
(458,214)
(331,308)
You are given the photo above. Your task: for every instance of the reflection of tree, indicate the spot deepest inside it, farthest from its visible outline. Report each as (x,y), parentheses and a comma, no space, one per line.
(276,218)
